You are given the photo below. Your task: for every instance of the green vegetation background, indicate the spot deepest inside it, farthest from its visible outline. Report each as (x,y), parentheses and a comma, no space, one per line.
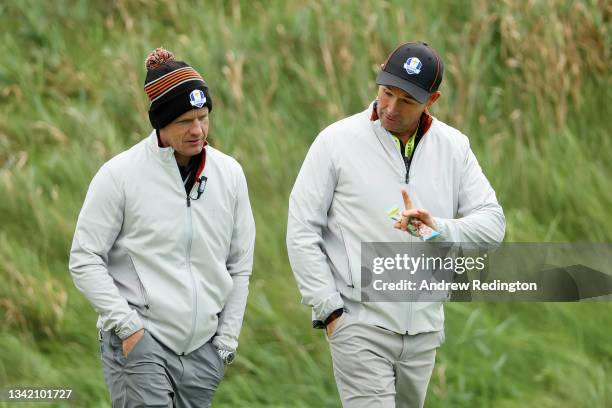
(527,81)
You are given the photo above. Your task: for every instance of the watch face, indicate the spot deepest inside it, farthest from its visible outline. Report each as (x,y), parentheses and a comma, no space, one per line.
(230,358)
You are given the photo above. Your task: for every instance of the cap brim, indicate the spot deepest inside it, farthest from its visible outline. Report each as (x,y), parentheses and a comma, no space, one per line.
(418,93)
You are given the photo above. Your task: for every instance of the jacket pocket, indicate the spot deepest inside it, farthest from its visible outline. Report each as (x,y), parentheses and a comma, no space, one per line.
(143,290)
(136,349)
(351,284)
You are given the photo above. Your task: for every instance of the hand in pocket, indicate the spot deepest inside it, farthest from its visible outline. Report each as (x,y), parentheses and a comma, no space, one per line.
(130,342)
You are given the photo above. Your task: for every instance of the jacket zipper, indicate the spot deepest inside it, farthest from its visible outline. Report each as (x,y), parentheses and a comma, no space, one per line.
(408,163)
(188,242)
(407,180)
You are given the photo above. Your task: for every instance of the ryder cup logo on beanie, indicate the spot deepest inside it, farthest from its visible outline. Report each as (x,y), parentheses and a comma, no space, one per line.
(173,87)
(197,98)
(415,68)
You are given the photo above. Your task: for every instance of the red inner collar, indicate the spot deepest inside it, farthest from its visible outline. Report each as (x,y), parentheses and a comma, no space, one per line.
(202,161)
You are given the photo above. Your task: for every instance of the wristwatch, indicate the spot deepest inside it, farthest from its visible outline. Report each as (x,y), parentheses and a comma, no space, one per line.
(227,356)
(320,324)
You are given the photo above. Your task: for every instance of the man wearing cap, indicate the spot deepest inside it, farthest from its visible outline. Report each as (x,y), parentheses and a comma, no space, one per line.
(163,249)
(383,353)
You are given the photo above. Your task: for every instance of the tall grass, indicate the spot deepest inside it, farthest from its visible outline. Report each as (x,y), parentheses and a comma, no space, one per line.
(527,81)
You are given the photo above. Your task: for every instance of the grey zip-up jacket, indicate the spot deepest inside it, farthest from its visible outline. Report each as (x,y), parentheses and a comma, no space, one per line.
(146,256)
(352,174)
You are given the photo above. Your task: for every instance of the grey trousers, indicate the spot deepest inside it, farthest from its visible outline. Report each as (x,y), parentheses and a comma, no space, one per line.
(152,375)
(375,367)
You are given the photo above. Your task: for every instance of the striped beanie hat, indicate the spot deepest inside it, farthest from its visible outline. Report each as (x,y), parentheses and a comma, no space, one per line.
(173,88)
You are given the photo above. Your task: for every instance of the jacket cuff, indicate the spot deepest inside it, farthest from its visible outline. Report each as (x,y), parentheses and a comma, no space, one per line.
(132,324)
(220,345)
(442,228)
(322,310)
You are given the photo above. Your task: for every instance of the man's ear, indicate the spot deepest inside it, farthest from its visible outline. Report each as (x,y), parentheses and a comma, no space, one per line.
(432,99)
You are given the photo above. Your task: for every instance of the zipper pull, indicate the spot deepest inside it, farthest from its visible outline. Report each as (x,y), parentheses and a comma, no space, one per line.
(188,201)
(407,178)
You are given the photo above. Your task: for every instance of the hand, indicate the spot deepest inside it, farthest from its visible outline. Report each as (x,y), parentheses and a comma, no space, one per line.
(329,329)
(130,342)
(413,218)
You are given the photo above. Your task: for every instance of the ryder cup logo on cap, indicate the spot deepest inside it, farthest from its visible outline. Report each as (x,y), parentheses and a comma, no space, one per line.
(197,98)
(413,65)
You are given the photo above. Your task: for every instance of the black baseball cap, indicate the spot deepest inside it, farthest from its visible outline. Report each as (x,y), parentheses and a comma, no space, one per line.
(415,68)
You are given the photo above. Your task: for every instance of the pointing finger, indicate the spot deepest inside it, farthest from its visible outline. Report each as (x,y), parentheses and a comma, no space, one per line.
(407,201)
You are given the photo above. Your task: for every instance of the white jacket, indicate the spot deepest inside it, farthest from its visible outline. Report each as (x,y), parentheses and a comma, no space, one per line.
(144,258)
(352,174)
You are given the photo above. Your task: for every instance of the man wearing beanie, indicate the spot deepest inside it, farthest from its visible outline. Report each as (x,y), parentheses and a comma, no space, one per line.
(163,249)
(383,353)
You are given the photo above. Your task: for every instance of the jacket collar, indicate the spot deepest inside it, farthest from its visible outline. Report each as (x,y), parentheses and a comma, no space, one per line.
(164,153)
(167,153)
